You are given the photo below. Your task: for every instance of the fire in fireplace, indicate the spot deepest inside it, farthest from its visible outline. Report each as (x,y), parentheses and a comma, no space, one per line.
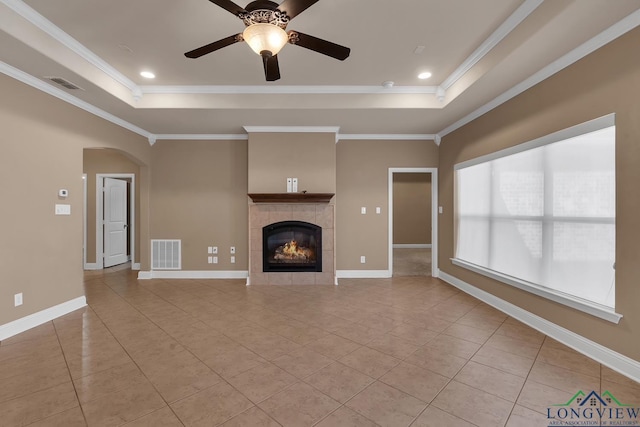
(292,246)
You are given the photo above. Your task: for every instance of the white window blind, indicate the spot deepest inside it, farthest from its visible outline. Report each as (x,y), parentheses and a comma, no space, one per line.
(543,213)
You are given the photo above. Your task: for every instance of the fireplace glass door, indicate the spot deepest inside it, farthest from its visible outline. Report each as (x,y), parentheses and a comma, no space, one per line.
(292,246)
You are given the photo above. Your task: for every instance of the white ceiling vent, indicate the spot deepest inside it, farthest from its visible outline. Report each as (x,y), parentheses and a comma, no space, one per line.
(63,82)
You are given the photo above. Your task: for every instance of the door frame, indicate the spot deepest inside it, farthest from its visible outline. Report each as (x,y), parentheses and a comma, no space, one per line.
(85,266)
(435,272)
(100,216)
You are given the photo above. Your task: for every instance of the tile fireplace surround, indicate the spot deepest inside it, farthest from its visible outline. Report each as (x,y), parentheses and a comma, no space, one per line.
(263,214)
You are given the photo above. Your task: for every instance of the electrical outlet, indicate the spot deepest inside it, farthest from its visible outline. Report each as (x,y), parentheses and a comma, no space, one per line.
(363,259)
(363,210)
(17,299)
(210,260)
(63,209)
(233,260)
(214,250)
(233,249)
(215,259)
(378,210)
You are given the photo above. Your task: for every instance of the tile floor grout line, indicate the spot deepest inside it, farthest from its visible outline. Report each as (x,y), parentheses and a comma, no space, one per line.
(527,378)
(169,404)
(142,372)
(132,361)
(458,371)
(64,356)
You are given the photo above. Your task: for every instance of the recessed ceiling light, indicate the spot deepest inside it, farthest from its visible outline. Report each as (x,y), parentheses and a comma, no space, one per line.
(148,75)
(424,76)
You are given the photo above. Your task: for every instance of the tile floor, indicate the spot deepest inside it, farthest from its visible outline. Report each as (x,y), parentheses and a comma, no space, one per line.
(408,351)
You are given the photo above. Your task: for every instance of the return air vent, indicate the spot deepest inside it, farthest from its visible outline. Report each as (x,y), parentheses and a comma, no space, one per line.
(166,254)
(63,82)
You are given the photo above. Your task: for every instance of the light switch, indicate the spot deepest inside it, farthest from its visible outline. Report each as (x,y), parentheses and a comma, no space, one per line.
(439,209)
(210,260)
(233,260)
(294,185)
(215,259)
(378,210)
(63,209)
(210,250)
(363,210)
(363,259)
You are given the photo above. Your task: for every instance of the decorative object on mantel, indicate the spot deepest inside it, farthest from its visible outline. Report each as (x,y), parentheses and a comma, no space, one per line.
(291,197)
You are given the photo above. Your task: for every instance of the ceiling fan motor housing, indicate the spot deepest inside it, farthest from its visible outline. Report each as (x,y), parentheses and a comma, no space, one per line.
(264,12)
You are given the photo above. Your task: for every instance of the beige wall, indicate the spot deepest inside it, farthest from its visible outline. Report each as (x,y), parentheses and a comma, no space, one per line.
(274,157)
(607,81)
(363,181)
(411,208)
(41,152)
(199,195)
(102,161)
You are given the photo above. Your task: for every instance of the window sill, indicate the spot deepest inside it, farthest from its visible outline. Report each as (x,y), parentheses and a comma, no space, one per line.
(591,308)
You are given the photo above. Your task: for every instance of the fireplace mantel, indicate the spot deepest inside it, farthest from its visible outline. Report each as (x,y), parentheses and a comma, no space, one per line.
(291,197)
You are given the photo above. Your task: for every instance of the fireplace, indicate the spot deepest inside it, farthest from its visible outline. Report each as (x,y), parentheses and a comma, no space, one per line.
(292,246)
(266,213)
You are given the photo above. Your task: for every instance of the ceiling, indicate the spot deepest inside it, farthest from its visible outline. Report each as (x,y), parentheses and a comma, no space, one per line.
(480,53)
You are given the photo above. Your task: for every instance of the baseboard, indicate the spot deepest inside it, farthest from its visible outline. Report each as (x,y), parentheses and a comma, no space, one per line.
(616,361)
(92,266)
(185,274)
(363,274)
(144,275)
(36,319)
(411,246)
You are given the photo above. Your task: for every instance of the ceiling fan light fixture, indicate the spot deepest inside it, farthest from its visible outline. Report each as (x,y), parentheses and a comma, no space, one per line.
(265,37)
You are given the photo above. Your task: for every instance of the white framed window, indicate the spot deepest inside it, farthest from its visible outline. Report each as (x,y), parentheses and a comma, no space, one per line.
(541,216)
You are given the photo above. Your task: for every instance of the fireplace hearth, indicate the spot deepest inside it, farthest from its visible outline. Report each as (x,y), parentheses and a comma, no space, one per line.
(292,246)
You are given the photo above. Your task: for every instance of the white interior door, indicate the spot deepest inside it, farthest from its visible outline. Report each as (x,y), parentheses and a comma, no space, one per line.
(115,222)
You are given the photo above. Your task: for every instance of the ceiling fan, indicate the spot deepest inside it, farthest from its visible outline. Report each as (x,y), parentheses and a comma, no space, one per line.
(265,33)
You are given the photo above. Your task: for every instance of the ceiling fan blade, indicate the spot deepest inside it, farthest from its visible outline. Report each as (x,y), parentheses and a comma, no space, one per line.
(271,67)
(230,6)
(292,8)
(201,51)
(321,46)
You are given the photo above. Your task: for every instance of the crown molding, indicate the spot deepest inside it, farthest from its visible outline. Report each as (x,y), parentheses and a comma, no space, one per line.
(292,129)
(202,137)
(36,83)
(286,90)
(618,29)
(379,136)
(42,23)
(496,37)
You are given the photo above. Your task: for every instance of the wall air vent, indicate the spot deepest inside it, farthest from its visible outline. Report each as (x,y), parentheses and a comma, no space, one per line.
(166,254)
(63,82)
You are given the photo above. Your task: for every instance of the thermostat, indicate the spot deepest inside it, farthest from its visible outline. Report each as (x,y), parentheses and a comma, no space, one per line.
(63,193)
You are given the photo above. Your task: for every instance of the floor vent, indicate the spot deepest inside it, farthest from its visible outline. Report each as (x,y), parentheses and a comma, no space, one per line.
(63,82)
(166,254)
